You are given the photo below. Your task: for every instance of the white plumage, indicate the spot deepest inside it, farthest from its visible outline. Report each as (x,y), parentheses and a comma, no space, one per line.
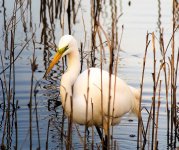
(85,90)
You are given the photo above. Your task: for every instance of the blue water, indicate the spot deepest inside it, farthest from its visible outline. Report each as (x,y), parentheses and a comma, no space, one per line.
(138,18)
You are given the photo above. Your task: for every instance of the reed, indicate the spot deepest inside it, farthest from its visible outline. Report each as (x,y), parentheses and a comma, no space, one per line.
(158,107)
(65,14)
(9,82)
(141,90)
(87,102)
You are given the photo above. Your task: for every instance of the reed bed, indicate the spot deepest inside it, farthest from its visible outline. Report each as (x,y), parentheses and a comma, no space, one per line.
(103,45)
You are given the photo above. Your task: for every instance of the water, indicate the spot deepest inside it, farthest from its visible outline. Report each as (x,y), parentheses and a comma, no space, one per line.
(137,17)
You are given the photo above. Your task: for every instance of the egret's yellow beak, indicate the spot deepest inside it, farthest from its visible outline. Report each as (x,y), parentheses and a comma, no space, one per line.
(56,58)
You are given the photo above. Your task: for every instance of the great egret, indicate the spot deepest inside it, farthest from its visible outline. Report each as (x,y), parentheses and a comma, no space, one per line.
(90,102)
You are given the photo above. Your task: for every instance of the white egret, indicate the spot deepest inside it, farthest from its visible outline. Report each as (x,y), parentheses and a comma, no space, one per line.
(85,90)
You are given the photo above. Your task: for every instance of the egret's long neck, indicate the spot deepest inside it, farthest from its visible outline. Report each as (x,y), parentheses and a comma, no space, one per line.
(69,77)
(73,62)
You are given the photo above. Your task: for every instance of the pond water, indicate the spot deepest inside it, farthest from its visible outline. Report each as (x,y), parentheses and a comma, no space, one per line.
(32,28)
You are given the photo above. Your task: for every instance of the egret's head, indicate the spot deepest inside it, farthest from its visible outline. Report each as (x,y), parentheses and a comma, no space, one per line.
(66,45)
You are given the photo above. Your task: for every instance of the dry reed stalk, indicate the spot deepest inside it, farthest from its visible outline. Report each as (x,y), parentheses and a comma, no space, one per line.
(175,100)
(111,46)
(95,16)
(115,73)
(156,131)
(95,13)
(141,89)
(154,87)
(147,126)
(12,49)
(114,39)
(101,87)
(83,45)
(16,126)
(87,101)
(4,101)
(62,129)
(5,82)
(173,85)
(70,125)
(169,42)
(109,86)
(10,89)
(4,133)
(48,129)
(4,110)
(81,54)
(163,53)
(92,144)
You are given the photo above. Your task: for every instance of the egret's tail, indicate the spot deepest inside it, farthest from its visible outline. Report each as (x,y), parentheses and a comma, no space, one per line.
(136,93)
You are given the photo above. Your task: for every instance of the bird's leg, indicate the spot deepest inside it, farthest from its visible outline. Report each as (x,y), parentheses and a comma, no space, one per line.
(106,128)
(104,140)
(99,133)
(87,130)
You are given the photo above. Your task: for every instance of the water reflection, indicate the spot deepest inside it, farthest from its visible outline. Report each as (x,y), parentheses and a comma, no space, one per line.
(23,34)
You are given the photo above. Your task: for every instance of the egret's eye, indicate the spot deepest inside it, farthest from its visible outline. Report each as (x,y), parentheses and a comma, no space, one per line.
(63,49)
(66,48)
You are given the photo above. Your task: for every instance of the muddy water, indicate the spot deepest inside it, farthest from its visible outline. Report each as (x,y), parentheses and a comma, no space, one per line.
(44,21)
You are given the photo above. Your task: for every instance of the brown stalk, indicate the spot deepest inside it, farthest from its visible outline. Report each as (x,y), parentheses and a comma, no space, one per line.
(87,99)
(5,82)
(16,125)
(154,87)
(141,90)
(173,86)
(109,86)
(46,143)
(62,129)
(156,131)
(63,119)
(115,73)
(166,83)
(92,145)
(101,68)
(175,95)
(70,124)
(4,102)
(147,126)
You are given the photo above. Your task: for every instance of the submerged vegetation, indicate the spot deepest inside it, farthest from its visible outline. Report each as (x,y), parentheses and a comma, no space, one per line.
(27,42)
